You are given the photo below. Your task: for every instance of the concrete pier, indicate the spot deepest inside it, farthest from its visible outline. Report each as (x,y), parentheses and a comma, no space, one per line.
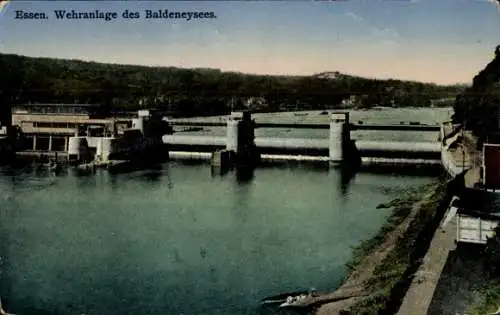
(222,158)
(240,148)
(232,132)
(225,158)
(339,137)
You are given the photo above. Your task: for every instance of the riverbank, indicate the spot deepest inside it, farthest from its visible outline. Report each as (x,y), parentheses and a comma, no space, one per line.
(382,267)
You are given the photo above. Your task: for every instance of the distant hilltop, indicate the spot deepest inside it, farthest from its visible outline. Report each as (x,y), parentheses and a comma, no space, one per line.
(335,75)
(328,75)
(201,91)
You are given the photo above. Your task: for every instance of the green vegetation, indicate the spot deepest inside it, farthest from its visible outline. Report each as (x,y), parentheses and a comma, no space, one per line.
(478,106)
(488,302)
(490,295)
(189,92)
(401,209)
(391,278)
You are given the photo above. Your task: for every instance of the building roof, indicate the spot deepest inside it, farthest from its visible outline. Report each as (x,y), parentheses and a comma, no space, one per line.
(57,105)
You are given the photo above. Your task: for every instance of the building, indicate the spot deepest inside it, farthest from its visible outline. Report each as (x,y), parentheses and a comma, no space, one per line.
(47,127)
(255,103)
(477,215)
(55,118)
(478,209)
(490,172)
(490,169)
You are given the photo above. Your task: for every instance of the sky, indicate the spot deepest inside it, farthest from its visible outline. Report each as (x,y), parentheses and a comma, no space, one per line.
(440,41)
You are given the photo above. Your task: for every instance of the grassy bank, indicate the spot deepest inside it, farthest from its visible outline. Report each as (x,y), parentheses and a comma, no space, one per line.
(488,299)
(401,209)
(412,223)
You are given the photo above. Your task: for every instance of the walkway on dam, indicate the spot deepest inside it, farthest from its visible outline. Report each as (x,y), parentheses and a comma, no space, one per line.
(425,291)
(419,296)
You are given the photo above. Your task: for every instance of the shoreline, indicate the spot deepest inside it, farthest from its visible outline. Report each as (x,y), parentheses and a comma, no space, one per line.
(382,267)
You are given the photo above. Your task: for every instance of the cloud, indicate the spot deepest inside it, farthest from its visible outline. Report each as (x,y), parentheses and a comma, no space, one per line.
(379,34)
(354,16)
(387,33)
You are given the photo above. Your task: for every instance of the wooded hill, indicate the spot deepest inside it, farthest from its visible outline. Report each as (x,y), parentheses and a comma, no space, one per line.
(190,92)
(479,105)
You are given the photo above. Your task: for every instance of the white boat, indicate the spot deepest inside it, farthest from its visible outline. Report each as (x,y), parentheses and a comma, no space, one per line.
(296,300)
(2,311)
(281,298)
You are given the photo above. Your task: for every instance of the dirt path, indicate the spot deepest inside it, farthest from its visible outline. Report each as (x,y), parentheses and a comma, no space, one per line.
(365,270)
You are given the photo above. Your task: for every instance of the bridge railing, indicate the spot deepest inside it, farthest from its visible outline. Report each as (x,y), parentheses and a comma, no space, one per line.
(395,127)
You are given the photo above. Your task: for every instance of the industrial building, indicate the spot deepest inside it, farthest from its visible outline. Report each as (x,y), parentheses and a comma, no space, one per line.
(478,209)
(47,127)
(490,171)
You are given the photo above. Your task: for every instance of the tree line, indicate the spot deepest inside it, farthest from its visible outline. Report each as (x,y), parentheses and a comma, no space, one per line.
(199,91)
(478,107)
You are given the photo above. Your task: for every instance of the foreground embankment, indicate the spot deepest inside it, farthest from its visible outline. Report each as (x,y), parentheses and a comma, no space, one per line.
(382,268)
(487,293)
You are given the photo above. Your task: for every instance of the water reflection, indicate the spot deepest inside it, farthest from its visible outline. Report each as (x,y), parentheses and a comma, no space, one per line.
(152,175)
(347,174)
(170,183)
(80,172)
(219,171)
(244,174)
(113,181)
(211,246)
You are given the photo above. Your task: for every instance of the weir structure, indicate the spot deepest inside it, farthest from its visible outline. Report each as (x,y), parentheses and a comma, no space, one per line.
(240,149)
(239,146)
(141,144)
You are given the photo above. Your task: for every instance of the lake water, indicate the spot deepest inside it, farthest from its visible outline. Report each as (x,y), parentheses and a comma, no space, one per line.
(180,240)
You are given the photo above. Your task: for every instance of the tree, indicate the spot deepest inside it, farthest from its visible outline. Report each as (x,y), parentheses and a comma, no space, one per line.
(191,92)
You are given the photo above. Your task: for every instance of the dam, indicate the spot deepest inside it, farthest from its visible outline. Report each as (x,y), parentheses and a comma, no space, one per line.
(79,133)
(334,149)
